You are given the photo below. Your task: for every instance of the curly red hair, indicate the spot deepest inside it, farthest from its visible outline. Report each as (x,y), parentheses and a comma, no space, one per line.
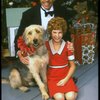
(57,23)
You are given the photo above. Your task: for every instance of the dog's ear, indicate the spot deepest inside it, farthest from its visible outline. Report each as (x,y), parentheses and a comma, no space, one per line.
(24,36)
(42,29)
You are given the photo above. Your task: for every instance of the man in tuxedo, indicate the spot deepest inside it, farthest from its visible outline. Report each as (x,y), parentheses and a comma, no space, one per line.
(40,14)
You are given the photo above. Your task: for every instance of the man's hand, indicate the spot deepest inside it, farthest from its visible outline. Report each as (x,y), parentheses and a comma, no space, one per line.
(70,46)
(23,59)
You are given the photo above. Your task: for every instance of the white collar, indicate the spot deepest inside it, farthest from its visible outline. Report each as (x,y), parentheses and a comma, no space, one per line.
(51,9)
(61,48)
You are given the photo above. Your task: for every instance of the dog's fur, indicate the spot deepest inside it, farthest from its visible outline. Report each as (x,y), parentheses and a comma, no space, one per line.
(33,35)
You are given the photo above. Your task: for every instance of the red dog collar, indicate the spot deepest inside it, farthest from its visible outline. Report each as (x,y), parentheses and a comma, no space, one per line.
(26,50)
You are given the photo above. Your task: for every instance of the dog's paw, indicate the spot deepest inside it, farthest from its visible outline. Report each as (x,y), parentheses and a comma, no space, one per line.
(45,96)
(24,89)
(32,84)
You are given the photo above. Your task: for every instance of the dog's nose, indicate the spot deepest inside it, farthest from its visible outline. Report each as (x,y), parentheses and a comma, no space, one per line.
(35,41)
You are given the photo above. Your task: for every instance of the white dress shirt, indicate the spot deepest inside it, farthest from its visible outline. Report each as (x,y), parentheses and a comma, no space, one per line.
(44,20)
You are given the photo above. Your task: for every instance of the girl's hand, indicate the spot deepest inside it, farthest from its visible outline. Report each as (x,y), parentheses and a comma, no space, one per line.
(62,82)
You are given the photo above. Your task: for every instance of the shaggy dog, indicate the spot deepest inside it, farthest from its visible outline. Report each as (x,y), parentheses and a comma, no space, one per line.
(38,61)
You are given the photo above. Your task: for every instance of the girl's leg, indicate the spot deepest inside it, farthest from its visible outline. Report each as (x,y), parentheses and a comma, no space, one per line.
(59,96)
(71,95)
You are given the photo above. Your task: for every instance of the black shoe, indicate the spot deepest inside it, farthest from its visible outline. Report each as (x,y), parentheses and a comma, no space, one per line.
(75,79)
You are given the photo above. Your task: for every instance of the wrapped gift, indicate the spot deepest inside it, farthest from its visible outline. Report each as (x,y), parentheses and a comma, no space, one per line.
(84,45)
(88,53)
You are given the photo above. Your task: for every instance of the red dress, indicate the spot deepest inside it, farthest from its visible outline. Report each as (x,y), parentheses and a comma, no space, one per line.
(58,69)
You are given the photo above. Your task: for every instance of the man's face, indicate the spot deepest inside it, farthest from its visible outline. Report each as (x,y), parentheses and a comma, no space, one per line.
(47,3)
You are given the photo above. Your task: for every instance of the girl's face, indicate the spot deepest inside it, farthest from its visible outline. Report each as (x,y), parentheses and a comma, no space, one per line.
(47,3)
(57,35)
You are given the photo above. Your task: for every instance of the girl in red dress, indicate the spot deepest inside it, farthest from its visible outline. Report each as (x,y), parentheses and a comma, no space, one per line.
(61,63)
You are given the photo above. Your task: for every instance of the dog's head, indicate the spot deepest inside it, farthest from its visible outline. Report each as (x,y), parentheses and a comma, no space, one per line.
(33,35)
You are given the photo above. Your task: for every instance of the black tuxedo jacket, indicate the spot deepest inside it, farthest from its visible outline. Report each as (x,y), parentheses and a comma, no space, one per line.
(32,16)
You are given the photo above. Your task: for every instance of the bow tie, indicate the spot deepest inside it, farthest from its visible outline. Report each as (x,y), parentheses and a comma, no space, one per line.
(48,13)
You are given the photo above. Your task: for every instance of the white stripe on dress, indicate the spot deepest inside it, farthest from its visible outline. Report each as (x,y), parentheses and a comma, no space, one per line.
(58,66)
(71,57)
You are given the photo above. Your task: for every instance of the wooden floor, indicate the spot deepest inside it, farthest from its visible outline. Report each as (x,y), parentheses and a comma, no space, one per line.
(87,84)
